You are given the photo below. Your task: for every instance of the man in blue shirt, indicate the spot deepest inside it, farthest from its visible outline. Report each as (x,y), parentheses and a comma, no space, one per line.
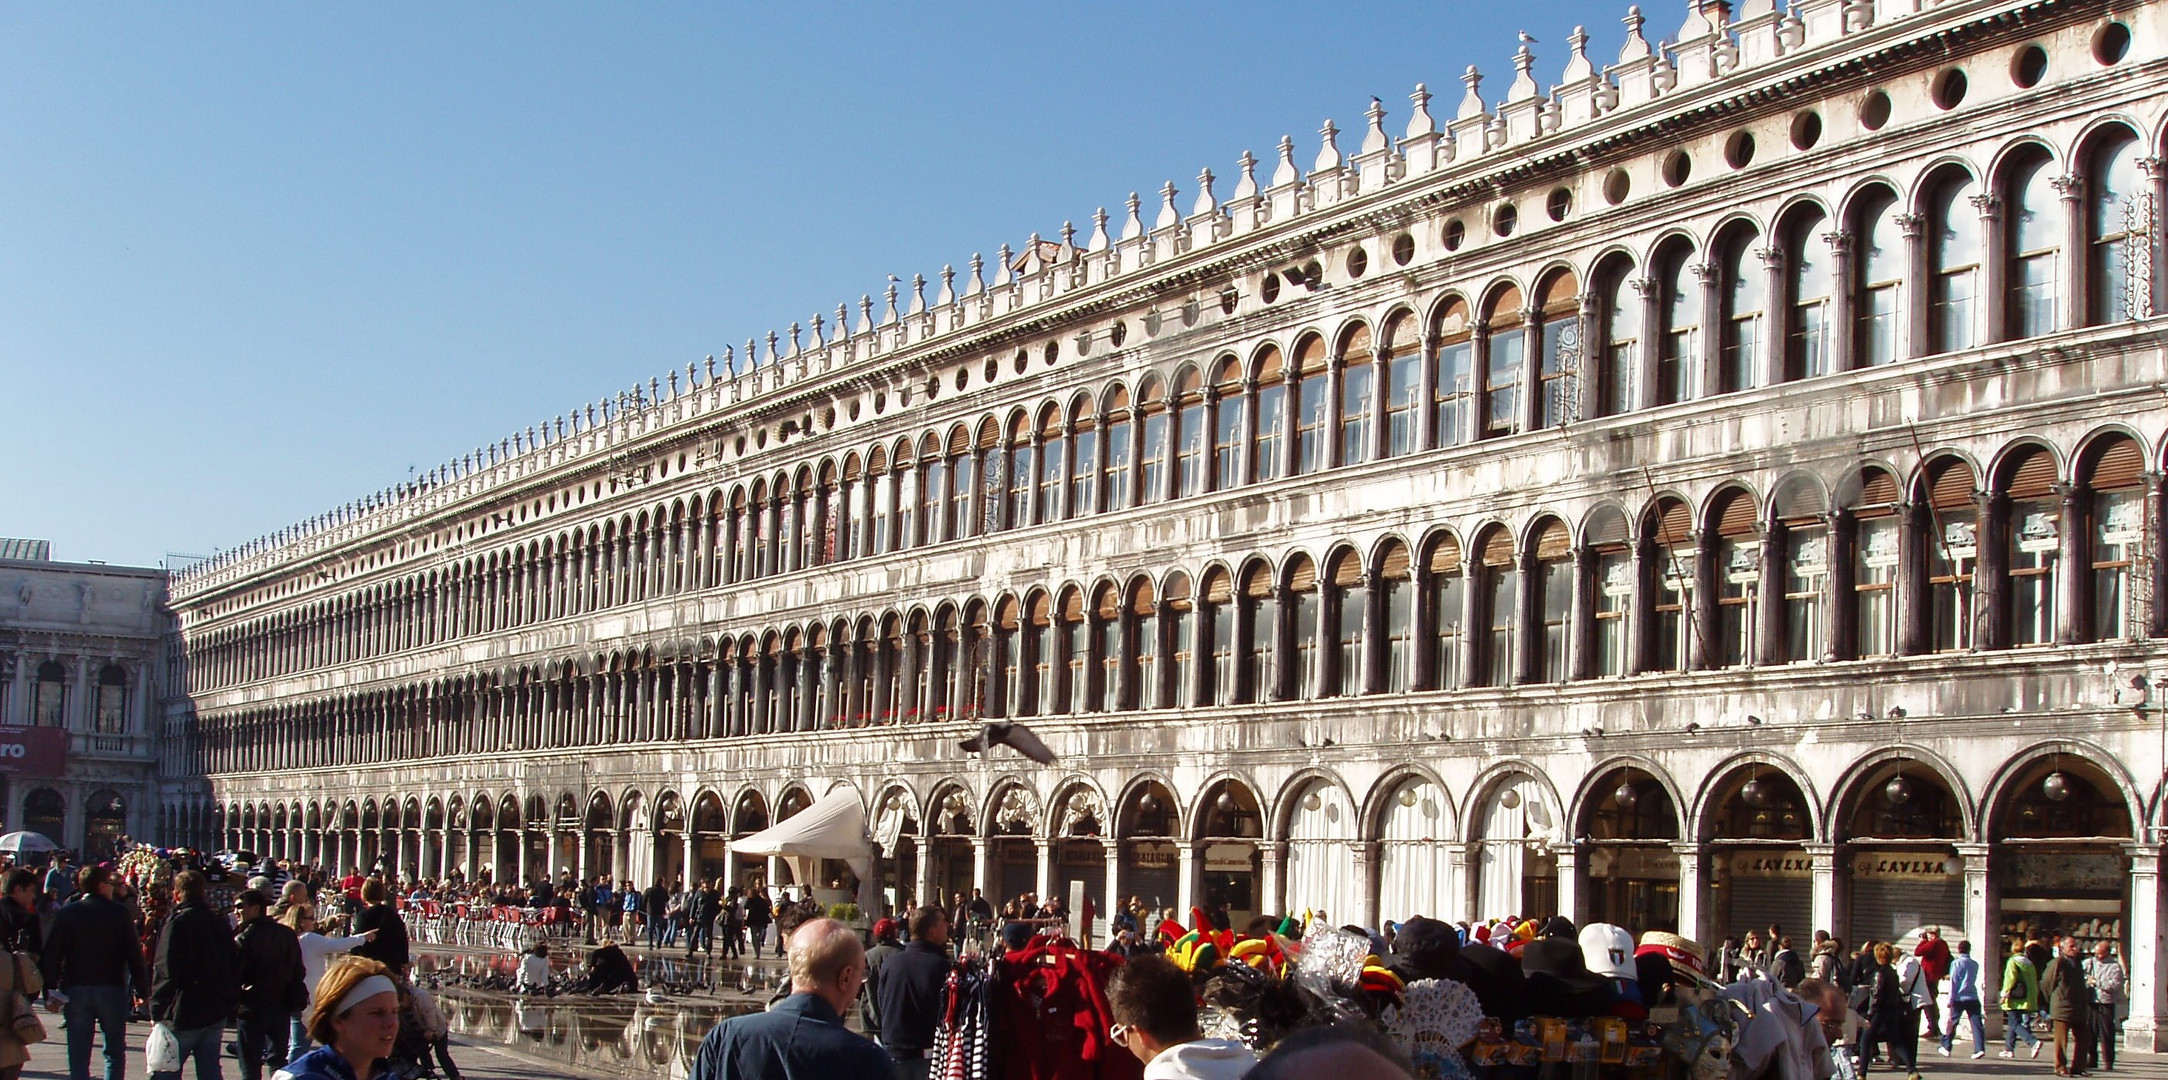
(1965,1001)
(802,1037)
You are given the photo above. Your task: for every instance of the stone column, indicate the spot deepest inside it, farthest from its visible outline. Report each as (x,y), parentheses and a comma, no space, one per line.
(979,847)
(1580,624)
(1769,643)
(1272,875)
(1185,889)
(1458,904)
(1531,403)
(927,892)
(1569,882)
(1366,855)
(2077,298)
(1525,665)
(2142,1028)
(1989,572)
(1426,395)
(1708,380)
(1692,924)
(1839,338)
(1980,926)
(1650,348)
(1113,894)
(1822,861)
(1043,884)
(2073,609)
(1992,321)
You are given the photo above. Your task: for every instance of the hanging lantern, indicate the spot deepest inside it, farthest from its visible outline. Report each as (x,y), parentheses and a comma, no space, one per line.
(1225,802)
(1626,796)
(1149,803)
(1898,791)
(1407,796)
(1754,793)
(1312,801)
(1510,799)
(2056,787)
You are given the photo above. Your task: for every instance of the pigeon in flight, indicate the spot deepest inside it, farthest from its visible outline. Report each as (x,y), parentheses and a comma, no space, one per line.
(1014,735)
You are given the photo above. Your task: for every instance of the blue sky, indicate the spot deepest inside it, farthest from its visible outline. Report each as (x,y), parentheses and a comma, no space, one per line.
(258,260)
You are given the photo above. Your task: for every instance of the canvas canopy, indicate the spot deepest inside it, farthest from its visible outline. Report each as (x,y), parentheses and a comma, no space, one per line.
(834,827)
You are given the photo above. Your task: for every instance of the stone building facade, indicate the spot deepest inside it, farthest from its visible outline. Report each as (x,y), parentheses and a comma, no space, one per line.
(1722,488)
(83,648)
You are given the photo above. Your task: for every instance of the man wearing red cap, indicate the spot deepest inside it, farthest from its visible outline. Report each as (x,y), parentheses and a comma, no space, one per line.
(885,945)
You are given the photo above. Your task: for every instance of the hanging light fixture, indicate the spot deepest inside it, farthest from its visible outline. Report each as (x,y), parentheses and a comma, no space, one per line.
(2056,787)
(1626,796)
(1898,791)
(1312,801)
(1149,803)
(1407,796)
(1510,799)
(1754,793)
(1225,802)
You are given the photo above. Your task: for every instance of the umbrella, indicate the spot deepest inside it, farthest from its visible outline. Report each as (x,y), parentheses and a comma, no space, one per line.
(26,842)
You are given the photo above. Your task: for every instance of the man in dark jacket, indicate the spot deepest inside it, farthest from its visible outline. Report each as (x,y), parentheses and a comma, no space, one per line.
(273,982)
(885,945)
(20,930)
(700,909)
(909,997)
(192,986)
(653,903)
(2069,1002)
(94,957)
(802,1037)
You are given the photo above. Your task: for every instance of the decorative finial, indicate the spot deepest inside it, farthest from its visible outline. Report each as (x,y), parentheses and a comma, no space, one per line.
(978,275)
(1636,47)
(1420,122)
(1068,234)
(796,335)
(1471,103)
(948,285)
(843,322)
(1524,66)
(918,293)
(1001,267)
(711,369)
(1246,187)
(1286,174)
(1167,214)
(894,290)
(1099,240)
(1207,203)
(1375,139)
(1134,226)
(820,337)
(1578,66)
(1328,154)
(773,355)
(752,354)
(730,361)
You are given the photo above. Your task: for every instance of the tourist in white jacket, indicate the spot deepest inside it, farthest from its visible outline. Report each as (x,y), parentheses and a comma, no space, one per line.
(1155,1016)
(315,950)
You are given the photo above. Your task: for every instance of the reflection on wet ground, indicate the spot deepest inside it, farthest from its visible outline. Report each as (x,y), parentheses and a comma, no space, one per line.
(609,1036)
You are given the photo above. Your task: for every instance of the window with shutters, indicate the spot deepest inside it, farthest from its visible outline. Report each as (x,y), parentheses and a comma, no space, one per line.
(1952,546)
(2033,213)
(1260,652)
(1808,284)
(1358,380)
(1738,580)
(1742,291)
(1007,692)
(1307,395)
(1397,593)
(1179,615)
(963,479)
(1045,654)
(1046,505)
(1190,436)
(1954,245)
(1501,609)
(1444,583)
(1678,335)
(1116,493)
(1219,622)
(1265,451)
(1806,586)
(1350,602)
(993,479)
(933,495)
(1619,336)
(1022,469)
(2118,536)
(1403,363)
(2119,216)
(1554,599)
(1304,612)
(2035,527)
(1084,474)
(1453,377)
(1107,651)
(1152,467)
(1559,400)
(1881,265)
(908,494)
(1671,574)
(1610,593)
(1505,349)
(1227,426)
(1076,652)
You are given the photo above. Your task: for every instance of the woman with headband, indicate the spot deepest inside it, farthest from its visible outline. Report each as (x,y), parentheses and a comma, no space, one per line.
(355,1019)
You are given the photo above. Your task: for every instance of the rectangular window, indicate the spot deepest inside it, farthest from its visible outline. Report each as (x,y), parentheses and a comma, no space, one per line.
(1223,653)
(1043,670)
(1078,645)
(1878,325)
(1306,631)
(1110,665)
(1020,486)
(1446,605)
(930,503)
(2032,294)
(1670,642)
(2034,540)
(1950,310)
(1557,600)
(1501,605)
(1455,382)
(1806,575)
(1738,585)
(1085,474)
(1153,473)
(906,513)
(2118,530)
(1399,630)
(1117,492)
(1189,455)
(1742,351)
(1614,592)
(1355,386)
(1502,382)
(1403,382)
(1809,352)
(1874,584)
(1561,370)
(1951,552)
(1048,506)
(1310,408)
(963,478)
(1264,658)
(1353,602)
(1271,428)
(1675,366)
(1227,443)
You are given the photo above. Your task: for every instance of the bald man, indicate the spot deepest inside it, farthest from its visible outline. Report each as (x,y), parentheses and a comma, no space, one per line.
(802,1037)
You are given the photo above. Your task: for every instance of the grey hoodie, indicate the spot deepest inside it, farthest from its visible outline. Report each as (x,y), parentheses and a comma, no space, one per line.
(1202,1059)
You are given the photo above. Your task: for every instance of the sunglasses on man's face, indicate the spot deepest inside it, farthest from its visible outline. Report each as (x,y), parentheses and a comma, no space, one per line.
(1120,1032)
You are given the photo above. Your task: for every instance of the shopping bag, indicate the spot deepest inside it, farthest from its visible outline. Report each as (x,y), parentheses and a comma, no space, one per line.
(162,1051)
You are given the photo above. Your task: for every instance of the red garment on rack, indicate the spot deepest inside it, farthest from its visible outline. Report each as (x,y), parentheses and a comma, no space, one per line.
(1052,1011)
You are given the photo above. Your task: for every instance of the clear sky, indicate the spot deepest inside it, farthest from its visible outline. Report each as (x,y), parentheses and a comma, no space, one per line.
(259,259)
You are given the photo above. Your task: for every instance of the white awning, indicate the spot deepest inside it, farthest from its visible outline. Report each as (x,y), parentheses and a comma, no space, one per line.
(834,827)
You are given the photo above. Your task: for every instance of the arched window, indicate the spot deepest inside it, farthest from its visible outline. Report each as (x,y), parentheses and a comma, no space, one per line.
(1227,425)
(1350,618)
(1312,406)
(1619,336)
(1007,661)
(1076,652)
(1219,626)
(1805,531)
(1045,653)
(1560,372)
(1084,475)
(1678,334)
(48,707)
(1358,383)
(1152,468)
(1443,585)
(1140,675)
(1396,596)
(1046,505)
(1452,385)
(1743,293)
(1611,593)
(1303,616)
(1259,655)
(112,713)
(1179,614)
(1881,266)
(1954,247)
(1402,358)
(1118,451)
(1500,593)
(1266,452)
(2119,214)
(1107,658)
(2114,480)
(932,491)
(1190,435)
(1505,355)
(1022,468)
(992,473)
(2034,211)
(1669,535)
(1875,563)
(1738,579)
(1951,548)
(963,480)
(1808,285)
(1554,600)
(2034,527)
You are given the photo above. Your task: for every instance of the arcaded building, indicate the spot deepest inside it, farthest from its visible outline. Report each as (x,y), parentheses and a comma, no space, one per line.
(1720,488)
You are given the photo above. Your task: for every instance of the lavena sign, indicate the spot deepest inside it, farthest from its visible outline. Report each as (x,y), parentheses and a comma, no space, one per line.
(33,751)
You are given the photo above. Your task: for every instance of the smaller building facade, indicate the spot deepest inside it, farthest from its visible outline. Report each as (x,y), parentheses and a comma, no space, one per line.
(83,674)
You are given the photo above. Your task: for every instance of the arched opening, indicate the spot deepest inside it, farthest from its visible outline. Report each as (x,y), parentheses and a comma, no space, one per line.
(711,837)
(1414,868)
(1320,859)
(897,835)
(1628,826)
(669,838)
(1080,851)
(948,846)
(1147,827)
(2062,831)
(1900,824)
(1759,873)
(1012,852)
(105,819)
(1516,867)
(1230,826)
(601,846)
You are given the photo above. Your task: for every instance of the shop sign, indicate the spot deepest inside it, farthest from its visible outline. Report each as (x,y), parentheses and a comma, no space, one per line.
(2062,873)
(1907,865)
(1150,856)
(1082,853)
(1772,864)
(1227,858)
(33,751)
(1637,862)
